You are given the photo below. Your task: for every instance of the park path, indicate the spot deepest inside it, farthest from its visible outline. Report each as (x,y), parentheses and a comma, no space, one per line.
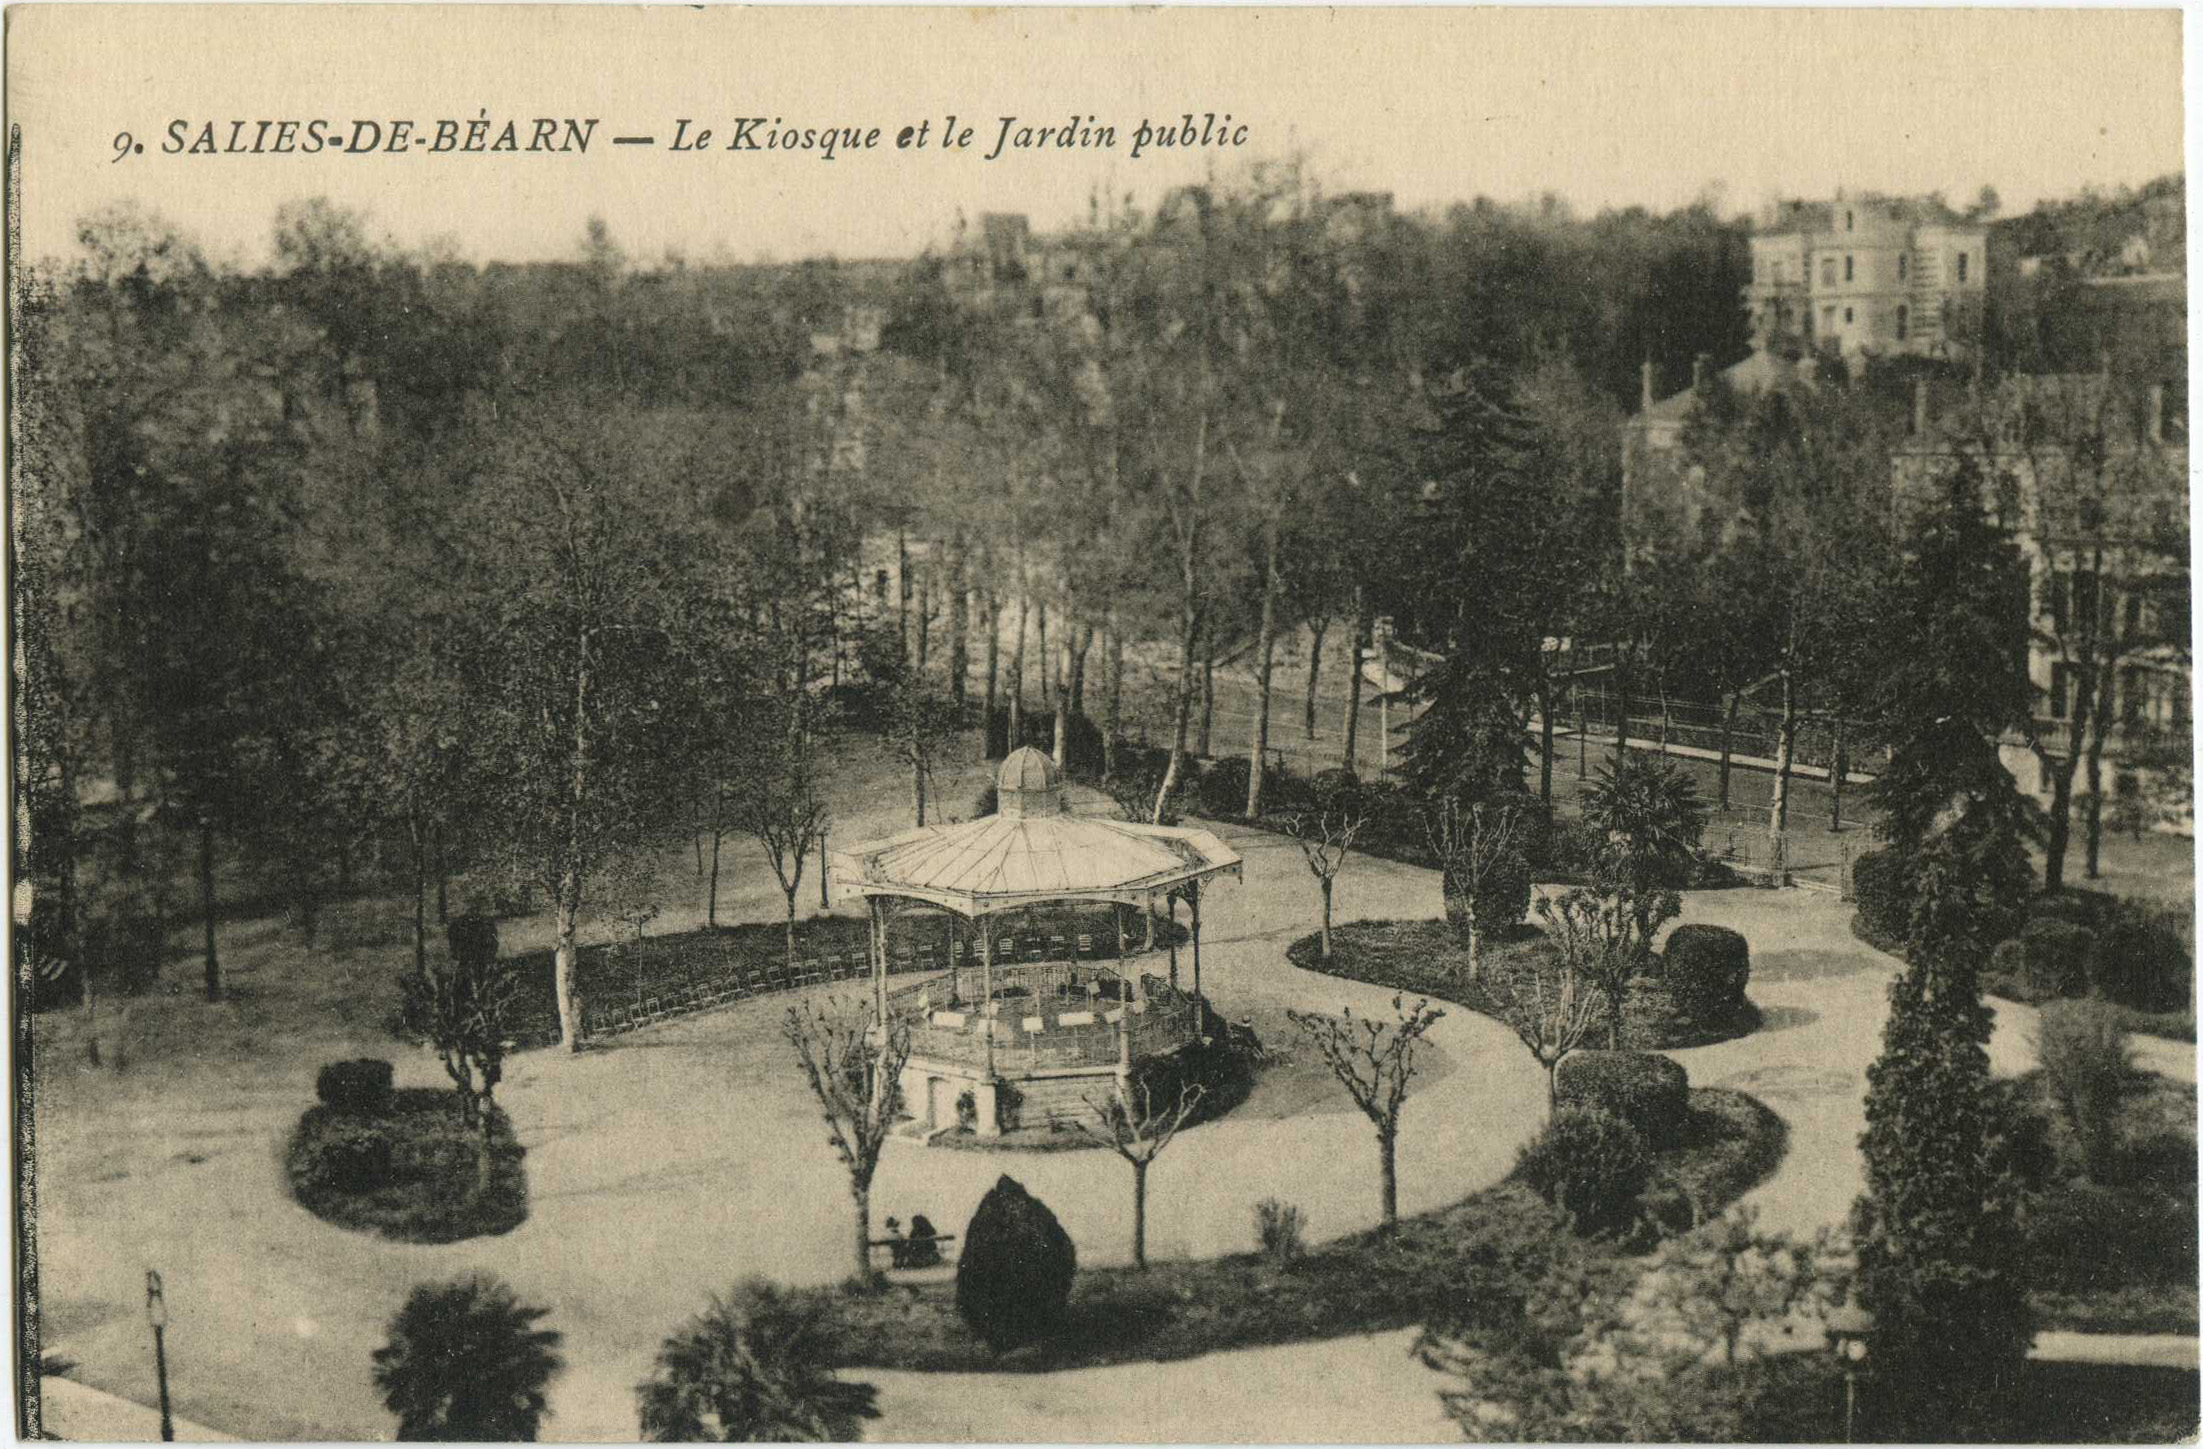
(686,1156)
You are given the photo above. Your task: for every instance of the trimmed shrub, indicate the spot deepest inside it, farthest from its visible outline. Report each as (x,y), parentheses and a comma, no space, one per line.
(1881,884)
(1591,1165)
(1014,1276)
(1707,968)
(360,1088)
(350,1155)
(1278,1225)
(1223,788)
(1649,1092)
(2054,958)
(2141,960)
(2085,1059)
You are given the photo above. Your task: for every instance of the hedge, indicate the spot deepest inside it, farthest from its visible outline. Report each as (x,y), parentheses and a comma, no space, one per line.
(2054,957)
(1649,1092)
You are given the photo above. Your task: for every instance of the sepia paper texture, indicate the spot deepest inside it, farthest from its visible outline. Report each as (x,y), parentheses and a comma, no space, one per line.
(696,249)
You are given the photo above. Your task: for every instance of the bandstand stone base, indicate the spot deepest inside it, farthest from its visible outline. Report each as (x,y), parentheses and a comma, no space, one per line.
(931,1088)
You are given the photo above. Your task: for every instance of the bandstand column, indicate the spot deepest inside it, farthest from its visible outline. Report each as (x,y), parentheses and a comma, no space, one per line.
(986,988)
(1173,899)
(1193,903)
(879,960)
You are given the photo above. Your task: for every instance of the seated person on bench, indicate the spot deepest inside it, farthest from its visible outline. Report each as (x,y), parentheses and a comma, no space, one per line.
(921,1251)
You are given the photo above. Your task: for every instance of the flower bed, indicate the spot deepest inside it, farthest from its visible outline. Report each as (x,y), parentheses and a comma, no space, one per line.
(408,1172)
(1430,959)
(1366,1282)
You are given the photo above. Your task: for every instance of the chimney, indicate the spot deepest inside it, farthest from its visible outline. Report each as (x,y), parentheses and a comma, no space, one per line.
(1644,391)
(1920,407)
(2157,413)
(1698,368)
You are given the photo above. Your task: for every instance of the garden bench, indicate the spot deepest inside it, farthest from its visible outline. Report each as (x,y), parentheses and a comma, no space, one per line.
(900,1254)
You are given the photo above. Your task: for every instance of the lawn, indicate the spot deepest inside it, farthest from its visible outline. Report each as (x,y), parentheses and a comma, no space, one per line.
(1429,958)
(1366,1282)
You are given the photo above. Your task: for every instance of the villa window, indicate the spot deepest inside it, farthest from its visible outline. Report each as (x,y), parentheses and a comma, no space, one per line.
(1828,271)
(1901,259)
(1847,270)
(1902,320)
(1963,258)
(1847,316)
(1847,221)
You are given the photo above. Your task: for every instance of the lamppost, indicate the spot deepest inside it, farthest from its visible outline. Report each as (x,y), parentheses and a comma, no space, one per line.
(1847,1329)
(156,1314)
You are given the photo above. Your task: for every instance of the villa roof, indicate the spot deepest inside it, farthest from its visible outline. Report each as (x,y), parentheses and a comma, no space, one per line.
(1030,853)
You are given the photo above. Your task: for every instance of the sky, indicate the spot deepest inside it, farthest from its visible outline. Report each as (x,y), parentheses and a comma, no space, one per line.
(1605,108)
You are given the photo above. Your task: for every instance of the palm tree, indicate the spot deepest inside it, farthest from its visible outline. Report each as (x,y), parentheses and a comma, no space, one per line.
(751,1368)
(1652,817)
(466,1363)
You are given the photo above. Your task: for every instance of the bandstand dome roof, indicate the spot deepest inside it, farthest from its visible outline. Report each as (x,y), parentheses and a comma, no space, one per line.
(1032,850)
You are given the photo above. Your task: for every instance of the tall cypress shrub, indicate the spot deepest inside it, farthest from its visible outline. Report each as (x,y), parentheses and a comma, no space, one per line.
(1938,1247)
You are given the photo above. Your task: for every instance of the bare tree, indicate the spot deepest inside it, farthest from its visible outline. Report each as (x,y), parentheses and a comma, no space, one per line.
(460,1006)
(856,1073)
(1375,1061)
(780,805)
(1138,1134)
(1550,1007)
(1324,843)
(1605,938)
(1486,879)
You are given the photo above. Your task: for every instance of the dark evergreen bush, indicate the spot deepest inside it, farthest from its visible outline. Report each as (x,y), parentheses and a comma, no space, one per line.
(2141,960)
(986,802)
(1707,968)
(1591,1165)
(472,939)
(1500,898)
(1082,747)
(2054,958)
(1881,884)
(1335,789)
(356,1088)
(1649,1092)
(1014,1276)
(1223,790)
(1569,851)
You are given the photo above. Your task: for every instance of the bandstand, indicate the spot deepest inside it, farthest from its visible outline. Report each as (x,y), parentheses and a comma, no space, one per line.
(1052,990)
